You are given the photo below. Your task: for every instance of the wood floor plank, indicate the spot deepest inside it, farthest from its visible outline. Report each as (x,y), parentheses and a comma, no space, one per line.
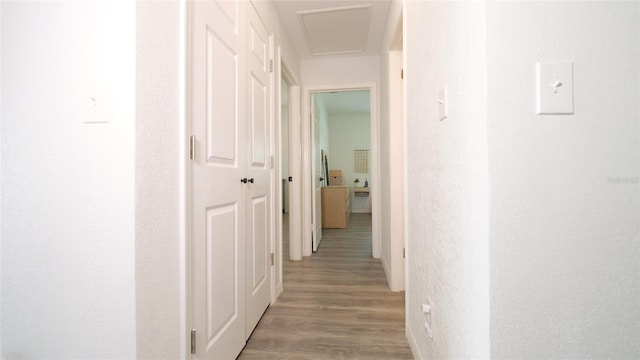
(336,304)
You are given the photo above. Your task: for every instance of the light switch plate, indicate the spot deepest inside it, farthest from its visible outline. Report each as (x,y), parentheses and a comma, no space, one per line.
(427,309)
(554,88)
(442,103)
(95,104)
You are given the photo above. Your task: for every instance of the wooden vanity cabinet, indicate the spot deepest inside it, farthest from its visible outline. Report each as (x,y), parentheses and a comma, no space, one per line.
(336,207)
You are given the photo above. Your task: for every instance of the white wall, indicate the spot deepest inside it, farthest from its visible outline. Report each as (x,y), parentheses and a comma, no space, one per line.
(285,128)
(158,238)
(447,179)
(340,70)
(348,132)
(385,164)
(68,277)
(565,199)
(391,150)
(563,276)
(284,135)
(1,192)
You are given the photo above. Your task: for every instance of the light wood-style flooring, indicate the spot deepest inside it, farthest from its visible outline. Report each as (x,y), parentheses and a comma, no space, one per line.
(336,304)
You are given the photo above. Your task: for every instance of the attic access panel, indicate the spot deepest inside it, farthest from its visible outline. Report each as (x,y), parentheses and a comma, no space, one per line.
(336,30)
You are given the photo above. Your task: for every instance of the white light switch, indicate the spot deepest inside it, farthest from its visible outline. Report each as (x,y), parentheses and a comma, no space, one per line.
(555,89)
(95,105)
(442,103)
(427,310)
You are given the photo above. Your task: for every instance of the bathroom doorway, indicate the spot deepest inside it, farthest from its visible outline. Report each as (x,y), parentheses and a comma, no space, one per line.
(340,158)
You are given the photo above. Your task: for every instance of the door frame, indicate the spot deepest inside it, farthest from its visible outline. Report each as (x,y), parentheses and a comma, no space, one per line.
(186,311)
(282,72)
(316,183)
(295,201)
(307,173)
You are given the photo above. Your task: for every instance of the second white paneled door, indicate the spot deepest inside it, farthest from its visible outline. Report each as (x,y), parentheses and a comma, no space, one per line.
(217,209)
(318,176)
(258,275)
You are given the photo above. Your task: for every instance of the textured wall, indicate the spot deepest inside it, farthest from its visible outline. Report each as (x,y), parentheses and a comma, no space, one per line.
(67,224)
(285,128)
(565,205)
(447,179)
(392,150)
(385,166)
(340,70)
(158,250)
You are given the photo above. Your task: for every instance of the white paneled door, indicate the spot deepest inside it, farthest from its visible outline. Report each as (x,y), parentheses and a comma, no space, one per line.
(258,275)
(318,176)
(217,196)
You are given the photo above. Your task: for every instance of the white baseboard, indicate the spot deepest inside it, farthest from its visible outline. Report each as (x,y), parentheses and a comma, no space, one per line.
(415,350)
(360,211)
(387,271)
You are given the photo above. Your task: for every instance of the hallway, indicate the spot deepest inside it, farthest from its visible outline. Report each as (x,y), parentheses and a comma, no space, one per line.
(336,305)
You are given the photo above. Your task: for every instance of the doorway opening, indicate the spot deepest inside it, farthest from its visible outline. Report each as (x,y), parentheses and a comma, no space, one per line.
(341,145)
(288,212)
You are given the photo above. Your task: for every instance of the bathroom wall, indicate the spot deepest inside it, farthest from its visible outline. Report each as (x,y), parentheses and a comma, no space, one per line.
(284,150)
(348,132)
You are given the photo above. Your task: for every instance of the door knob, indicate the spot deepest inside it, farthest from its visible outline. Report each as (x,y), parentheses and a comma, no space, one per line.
(251,180)
(244,180)
(321,179)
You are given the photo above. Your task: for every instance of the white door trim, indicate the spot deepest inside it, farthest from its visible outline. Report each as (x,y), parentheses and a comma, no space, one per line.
(375,161)
(281,72)
(295,210)
(295,157)
(183,191)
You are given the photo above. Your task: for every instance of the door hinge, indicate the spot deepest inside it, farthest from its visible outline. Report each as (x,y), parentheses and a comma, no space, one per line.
(192,147)
(404,253)
(271,161)
(401,73)
(193,341)
(271,65)
(273,259)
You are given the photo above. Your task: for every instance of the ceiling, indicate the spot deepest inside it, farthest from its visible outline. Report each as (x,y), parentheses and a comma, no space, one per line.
(321,28)
(345,102)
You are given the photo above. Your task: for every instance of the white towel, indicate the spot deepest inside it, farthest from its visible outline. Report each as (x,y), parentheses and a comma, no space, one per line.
(361,161)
